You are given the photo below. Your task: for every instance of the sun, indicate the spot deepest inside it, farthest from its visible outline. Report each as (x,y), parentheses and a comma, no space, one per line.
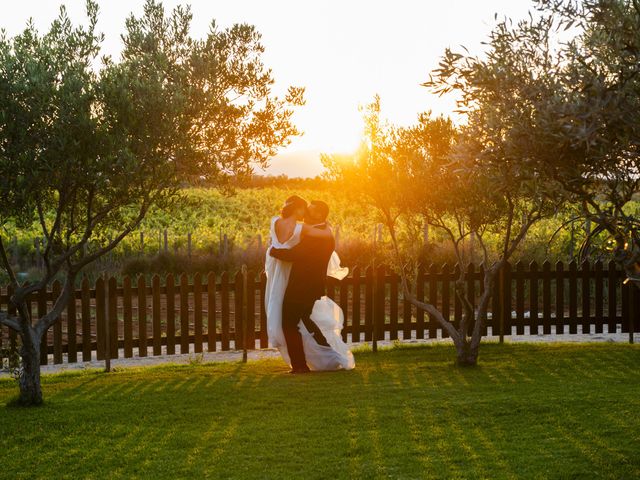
(341,134)
(328,128)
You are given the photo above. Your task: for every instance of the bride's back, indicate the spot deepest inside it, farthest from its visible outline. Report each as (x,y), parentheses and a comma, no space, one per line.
(284,229)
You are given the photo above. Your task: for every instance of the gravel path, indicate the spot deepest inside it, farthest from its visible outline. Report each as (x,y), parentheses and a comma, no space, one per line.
(236,356)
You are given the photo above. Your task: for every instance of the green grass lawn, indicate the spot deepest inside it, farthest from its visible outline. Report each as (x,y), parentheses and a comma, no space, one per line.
(529,411)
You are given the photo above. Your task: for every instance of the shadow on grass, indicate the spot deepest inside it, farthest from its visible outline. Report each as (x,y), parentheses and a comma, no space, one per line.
(527,411)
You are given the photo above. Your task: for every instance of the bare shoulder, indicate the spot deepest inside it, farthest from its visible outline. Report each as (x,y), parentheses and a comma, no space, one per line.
(283,229)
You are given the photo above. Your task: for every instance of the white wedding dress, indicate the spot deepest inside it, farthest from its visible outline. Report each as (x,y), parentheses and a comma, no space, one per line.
(326,313)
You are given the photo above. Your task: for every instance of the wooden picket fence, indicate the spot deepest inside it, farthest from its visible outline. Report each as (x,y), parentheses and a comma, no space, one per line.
(196,314)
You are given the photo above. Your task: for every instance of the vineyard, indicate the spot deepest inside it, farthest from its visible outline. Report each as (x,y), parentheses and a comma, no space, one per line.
(208,229)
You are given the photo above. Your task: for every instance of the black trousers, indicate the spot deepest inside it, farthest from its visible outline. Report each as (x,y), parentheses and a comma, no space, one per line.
(292,314)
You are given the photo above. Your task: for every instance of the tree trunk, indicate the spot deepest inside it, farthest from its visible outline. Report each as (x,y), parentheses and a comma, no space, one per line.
(467,355)
(30,388)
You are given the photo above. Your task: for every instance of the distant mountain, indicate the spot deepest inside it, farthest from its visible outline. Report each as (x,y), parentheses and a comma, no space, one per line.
(303,164)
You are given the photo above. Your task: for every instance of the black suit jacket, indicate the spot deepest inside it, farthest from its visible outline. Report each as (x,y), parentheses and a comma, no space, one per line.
(310,259)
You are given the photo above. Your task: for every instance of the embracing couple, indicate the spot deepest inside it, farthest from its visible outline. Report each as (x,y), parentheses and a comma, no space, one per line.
(302,323)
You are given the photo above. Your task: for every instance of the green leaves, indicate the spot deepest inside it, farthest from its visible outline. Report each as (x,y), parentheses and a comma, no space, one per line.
(87,148)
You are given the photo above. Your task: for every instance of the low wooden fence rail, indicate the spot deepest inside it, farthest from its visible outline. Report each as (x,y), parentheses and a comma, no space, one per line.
(184,314)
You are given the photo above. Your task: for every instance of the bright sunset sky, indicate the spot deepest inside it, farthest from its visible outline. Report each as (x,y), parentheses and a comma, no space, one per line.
(343,52)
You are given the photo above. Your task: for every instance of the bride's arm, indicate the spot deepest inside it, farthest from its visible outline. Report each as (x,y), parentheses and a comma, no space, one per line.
(309,231)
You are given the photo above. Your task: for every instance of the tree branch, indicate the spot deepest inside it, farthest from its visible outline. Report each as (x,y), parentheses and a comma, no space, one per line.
(43,323)
(532,218)
(469,313)
(10,322)
(55,267)
(561,227)
(636,6)
(7,265)
(41,219)
(427,307)
(454,241)
(489,282)
(485,253)
(50,234)
(111,245)
(507,237)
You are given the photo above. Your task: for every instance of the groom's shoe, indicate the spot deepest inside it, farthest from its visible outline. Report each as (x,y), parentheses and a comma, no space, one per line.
(298,370)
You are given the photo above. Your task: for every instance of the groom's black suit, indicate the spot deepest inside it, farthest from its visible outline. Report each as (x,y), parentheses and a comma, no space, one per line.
(310,259)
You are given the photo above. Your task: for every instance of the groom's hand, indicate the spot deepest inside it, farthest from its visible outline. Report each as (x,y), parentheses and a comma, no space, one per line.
(289,254)
(277,252)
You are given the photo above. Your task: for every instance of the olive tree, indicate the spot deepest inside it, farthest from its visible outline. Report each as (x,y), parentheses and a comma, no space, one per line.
(593,154)
(480,178)
(88,145)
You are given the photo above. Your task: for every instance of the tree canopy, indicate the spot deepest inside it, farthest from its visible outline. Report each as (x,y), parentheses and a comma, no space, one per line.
(89,144)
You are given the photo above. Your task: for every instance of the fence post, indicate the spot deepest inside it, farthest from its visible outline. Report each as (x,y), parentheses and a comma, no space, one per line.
(224,311)
(501,300)
(189,244)
(245,292)
(166,241)
(633,310)
(374,305)
(211,312)
(142,315)
(379,306)
(141,242)
(12,333)
(107,325)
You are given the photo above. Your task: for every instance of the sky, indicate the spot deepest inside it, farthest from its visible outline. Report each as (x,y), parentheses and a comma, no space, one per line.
(343,52)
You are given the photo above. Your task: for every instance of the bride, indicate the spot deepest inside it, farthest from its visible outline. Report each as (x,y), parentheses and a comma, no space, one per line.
(286,232)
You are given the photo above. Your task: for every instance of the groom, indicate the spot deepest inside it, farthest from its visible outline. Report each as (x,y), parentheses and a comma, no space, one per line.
(310,259)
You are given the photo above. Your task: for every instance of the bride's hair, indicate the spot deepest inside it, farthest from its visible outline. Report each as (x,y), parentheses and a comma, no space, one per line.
(292,204)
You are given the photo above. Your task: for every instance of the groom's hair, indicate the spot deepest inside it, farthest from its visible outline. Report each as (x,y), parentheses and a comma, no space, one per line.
(321,208)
